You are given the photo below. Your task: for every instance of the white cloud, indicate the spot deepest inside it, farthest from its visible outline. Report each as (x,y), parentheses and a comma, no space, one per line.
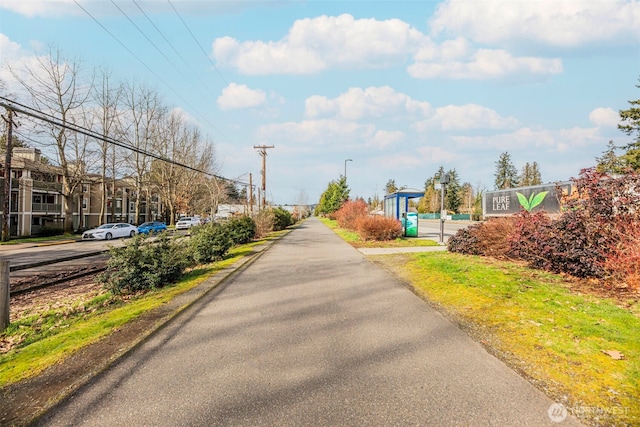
(383,139)
(322,132)
(237,96)
(561,140)
(357,103)
(604,117)
(316,44)
(486,64)
(563,23)
(466,117)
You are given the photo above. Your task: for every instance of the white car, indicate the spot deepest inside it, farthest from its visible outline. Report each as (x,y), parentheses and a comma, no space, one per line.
(187,222)
(110,231)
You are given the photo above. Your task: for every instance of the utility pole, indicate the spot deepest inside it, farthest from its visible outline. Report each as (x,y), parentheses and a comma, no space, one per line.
(263,152)
(4,263)
(251,193)
(7,176)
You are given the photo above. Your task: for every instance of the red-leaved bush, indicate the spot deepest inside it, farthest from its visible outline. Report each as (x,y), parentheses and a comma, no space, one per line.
(597,235)
(378,228)
(350,212)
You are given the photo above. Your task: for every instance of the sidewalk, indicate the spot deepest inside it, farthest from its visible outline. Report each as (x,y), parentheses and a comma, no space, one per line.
(310,333)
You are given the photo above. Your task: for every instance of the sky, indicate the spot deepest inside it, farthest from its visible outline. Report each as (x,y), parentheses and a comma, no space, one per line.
(380,90)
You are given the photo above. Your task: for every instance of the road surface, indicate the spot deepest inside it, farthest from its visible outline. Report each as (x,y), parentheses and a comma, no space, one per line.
(311,334)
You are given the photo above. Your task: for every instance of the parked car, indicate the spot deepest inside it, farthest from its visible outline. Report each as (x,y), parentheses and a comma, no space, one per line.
(187,222)
(152,227)
(110,231)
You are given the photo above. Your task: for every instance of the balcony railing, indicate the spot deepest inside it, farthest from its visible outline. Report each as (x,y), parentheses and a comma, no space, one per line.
(49,186)
(46,207)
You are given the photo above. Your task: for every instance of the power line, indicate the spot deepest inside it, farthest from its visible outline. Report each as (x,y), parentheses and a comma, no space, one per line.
(184,61)
(149,69)
(197,42)
(13,106)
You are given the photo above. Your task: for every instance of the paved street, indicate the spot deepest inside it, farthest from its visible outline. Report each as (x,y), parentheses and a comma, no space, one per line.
(313,334)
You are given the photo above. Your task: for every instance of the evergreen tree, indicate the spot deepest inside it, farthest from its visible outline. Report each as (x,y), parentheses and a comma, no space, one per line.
(453,193)
(610,162)
(631,126)
(506,175)
(334,196)
(530,175)
(536,175)
(391,187)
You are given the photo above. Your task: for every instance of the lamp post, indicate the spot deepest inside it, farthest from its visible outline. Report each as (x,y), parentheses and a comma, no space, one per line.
(345,167)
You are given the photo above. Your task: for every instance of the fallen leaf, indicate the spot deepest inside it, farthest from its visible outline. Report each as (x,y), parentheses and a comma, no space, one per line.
(614,354)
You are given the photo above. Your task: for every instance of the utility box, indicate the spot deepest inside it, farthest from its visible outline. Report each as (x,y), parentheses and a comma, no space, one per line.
(411,225)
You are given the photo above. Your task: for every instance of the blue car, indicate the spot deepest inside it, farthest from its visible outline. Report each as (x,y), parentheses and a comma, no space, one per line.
(152,227)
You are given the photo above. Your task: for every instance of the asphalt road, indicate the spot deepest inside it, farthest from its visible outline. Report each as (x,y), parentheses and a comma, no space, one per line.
(312,334)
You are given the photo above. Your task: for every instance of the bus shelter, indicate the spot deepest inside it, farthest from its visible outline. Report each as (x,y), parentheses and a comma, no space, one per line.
(396,205)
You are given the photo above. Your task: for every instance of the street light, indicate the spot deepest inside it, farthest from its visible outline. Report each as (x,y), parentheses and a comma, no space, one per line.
(345,167)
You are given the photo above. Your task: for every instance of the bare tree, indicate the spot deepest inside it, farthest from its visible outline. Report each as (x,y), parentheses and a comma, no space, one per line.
(106,97)
(143,115)
(55,87)
(183,190)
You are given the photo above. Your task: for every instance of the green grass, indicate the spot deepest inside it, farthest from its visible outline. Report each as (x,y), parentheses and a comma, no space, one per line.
(537,324)
(48,337)
(354,240)
(66,236)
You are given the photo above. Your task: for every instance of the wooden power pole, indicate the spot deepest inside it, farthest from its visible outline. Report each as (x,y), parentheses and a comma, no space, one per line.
(6,210)
(263,152)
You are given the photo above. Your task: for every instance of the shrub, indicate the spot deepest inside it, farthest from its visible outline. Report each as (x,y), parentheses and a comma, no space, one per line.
(50,231)
(264,222)
(489,238)
(530,231)
(209,242)
(466,241)
(350,213)
(378,228)
(140,266)
(241,229)
(282,219)
(622,265)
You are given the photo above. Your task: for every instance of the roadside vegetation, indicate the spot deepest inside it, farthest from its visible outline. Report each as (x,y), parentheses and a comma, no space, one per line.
(140,277)
(597,236)
(578,346)
(575,338)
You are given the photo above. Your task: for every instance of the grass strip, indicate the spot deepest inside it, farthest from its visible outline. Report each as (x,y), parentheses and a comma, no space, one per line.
(354,240)
(50,337)
(533,321)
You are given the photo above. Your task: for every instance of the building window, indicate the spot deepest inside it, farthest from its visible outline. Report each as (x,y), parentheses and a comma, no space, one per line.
(85,188)
(85,202)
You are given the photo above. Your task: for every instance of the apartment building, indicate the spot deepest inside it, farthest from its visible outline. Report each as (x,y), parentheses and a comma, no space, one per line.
(36,197)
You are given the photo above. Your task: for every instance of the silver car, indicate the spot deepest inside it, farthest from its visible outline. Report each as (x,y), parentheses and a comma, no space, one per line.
(110,231)
(187,222)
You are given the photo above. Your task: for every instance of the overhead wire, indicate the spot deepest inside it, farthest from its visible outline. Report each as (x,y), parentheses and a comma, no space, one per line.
(26,110)
(149,68)
(184,61)
(186,26)
(197,42)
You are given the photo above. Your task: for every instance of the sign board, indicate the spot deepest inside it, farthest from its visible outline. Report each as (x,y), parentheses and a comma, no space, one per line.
(535,198)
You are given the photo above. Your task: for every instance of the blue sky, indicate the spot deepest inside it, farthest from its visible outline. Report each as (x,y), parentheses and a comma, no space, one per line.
(399,87)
